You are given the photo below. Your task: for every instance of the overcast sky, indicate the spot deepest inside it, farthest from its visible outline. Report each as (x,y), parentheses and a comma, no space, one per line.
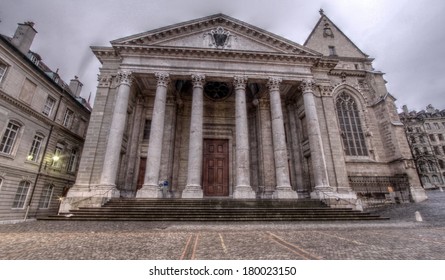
(406,38)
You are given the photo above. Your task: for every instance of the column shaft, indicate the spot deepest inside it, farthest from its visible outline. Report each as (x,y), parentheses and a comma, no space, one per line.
(151,178)
(193,188)
(283,189)
(242,189)
(314,134)
(116,132)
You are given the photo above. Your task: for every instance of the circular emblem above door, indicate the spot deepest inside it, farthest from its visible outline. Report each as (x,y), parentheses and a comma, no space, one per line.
(217,90)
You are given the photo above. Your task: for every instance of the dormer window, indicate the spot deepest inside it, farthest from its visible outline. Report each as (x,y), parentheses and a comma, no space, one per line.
(332,51)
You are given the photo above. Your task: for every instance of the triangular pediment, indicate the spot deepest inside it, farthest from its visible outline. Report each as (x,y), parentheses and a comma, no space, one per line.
(218,32)
(326,35)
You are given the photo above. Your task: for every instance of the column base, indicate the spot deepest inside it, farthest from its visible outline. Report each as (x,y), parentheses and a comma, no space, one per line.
(192,191)
(418,194)
(88,196)
(149,191)
(244,192)
(335,199)
(284,192)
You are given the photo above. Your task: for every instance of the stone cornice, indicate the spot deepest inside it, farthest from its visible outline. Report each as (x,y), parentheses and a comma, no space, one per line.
(347,72)
(123,50)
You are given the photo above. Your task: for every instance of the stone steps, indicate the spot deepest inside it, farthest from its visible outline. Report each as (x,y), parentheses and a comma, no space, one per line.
(213,210)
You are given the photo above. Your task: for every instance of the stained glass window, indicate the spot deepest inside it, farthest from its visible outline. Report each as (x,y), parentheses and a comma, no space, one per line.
(350,126)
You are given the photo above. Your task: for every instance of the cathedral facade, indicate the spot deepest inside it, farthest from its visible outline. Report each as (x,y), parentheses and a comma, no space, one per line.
(218,108)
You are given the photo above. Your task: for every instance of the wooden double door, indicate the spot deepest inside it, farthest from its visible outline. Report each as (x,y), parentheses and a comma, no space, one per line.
(215,181)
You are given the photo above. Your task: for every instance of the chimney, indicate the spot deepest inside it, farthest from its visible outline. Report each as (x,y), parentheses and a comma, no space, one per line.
(76,86)
(23,37)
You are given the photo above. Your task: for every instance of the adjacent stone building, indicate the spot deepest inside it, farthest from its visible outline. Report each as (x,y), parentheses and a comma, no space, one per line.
(218,108)
(425,131)
(43,123)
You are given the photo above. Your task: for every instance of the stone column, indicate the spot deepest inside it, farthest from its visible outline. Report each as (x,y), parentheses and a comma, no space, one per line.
(150,188)
(283,189)
(116,132)
(314,134)
(242,189)
(193,189)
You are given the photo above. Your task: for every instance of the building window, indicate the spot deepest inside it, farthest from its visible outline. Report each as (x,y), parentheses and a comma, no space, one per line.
(35,148)
(440,136)
(57,157)
(332,50)
(147,128)
(432,138)
(436,150)
(431,167)
(422,140)
(68,118)
(416,151)
(443,124)
(428,126)
(422,167)
(1,183)
(418,129)
(441,164)
(9,138)
(436,179)
(350,126)
(21,194)
(3,68)
(72,163)
(45,199)
(425,151)
(426,180)
(436,126)
(443,149)
(413,139)
(49,105)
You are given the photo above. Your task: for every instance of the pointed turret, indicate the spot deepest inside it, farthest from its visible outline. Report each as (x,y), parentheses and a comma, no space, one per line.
(329,40)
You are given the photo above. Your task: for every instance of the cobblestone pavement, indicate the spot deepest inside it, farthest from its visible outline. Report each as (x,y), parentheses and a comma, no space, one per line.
(401,237)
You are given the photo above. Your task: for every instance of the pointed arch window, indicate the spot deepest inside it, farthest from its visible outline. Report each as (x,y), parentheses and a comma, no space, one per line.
(350,125)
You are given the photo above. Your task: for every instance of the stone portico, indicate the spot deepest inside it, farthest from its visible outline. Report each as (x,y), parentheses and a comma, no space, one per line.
(218,108)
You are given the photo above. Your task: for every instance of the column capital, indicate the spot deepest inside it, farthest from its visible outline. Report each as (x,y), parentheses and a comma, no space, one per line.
(162,78)
(274,83)
(307,85)
(240,82)
(198,80)
(124,77)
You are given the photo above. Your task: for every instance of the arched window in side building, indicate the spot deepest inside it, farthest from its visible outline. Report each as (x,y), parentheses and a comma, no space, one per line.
(350,125)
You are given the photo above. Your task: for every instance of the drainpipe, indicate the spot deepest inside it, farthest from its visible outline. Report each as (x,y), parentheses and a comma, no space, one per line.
(43,159)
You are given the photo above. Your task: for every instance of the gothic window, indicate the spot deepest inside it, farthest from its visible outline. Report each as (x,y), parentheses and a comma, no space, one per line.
(33,154)
(350,126)
(9,138)
(45,199)
(426,180)
(21,194)
(422,167)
